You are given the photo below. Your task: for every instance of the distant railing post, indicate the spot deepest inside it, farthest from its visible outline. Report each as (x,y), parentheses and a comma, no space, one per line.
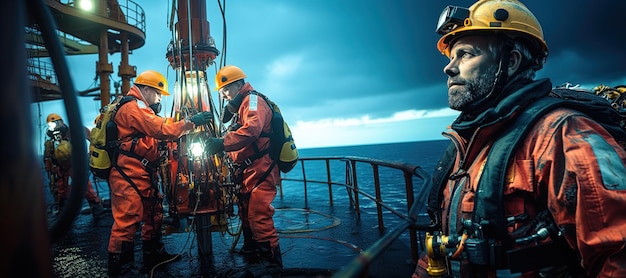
(329,179)
(306,200)
(408,181)
(355,187)
(379,199)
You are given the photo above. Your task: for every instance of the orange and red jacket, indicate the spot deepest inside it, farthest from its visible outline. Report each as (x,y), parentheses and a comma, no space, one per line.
(570,165)
(136,118)
(239,143)
(255,118)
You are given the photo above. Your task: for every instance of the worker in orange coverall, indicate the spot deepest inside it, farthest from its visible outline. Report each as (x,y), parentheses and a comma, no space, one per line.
(135,196)
(551,205)
(243,143)
(57,160)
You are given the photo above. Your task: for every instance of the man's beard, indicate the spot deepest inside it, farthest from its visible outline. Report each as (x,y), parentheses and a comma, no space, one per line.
(476,89)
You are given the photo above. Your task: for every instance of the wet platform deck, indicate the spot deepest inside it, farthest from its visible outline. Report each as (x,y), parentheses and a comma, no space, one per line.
(315,242)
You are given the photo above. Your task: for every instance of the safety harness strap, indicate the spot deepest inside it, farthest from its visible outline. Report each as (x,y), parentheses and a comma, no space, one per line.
(488,204)
(488,212)
(439,180)
(149,166)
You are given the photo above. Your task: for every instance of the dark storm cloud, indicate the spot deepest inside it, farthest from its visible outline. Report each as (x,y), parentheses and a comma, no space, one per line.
(591,32)
(387,47)
(372,57)
(358,50)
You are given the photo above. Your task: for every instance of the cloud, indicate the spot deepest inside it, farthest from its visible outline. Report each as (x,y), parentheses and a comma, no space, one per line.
(404,126)
(279,74)
(366,119)
(368,68)
(346,131)
(285,67)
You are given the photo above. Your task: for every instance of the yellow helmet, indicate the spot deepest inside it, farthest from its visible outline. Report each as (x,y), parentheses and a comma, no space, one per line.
(509,16)
(53,117)
(227,75)
(153,79)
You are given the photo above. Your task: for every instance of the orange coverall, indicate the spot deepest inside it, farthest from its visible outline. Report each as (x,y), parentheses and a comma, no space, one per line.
(569,164)
(128,208)
(257,213)
(62,174)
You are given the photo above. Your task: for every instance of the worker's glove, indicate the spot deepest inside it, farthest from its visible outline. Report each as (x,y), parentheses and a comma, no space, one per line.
(201,118)
(214,145)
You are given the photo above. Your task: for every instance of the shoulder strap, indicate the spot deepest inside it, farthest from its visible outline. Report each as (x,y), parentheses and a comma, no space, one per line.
(439,181)
(488,205)
(487,208)
(124,100)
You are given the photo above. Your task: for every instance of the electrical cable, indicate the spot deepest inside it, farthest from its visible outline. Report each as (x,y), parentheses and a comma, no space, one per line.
(42,16)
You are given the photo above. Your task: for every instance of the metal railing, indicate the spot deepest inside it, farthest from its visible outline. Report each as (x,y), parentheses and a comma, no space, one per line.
(41,71)
(353,177)
(128,11)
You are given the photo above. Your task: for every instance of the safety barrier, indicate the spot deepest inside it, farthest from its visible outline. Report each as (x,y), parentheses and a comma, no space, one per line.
(354,174)
(128,11)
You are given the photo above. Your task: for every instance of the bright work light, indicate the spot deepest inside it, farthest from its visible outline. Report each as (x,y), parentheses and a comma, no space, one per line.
(196,149)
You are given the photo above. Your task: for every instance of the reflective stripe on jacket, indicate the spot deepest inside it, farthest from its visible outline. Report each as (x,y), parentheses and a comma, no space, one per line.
(240,143)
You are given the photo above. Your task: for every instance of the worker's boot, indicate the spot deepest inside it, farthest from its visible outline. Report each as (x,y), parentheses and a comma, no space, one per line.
(97,210)
(122,263)
(154,253)
(249,247)
(270,255)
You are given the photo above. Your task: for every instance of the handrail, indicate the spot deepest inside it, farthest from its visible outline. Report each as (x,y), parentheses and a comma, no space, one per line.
(130,13)
(411,220)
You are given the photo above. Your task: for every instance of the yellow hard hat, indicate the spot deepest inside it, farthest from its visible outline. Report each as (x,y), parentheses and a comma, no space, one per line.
(227,75)
(153,79)
(511,17)
(53,117)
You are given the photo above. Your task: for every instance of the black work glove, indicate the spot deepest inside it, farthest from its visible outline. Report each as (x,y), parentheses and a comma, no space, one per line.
(214,145)
(201,118)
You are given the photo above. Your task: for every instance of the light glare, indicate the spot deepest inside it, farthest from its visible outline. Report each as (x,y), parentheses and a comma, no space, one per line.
(86,5)
(196,149)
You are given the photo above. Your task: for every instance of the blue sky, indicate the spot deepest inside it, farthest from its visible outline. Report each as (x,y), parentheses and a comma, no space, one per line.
(350,72)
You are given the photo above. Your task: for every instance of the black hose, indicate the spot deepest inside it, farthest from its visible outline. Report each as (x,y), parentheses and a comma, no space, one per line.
(42,16)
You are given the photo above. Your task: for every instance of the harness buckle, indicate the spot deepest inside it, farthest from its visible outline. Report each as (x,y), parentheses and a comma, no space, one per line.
(248,162)
(145,162)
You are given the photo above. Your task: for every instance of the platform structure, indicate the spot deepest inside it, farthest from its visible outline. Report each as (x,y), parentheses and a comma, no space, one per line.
(323,228)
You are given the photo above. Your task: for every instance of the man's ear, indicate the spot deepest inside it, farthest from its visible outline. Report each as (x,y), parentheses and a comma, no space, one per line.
(515,60)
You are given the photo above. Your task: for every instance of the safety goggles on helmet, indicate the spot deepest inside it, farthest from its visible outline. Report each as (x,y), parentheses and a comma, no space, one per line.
(451,18)
(505,17)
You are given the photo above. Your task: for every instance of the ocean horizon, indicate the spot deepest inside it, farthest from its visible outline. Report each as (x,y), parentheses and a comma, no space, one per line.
(424,154)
